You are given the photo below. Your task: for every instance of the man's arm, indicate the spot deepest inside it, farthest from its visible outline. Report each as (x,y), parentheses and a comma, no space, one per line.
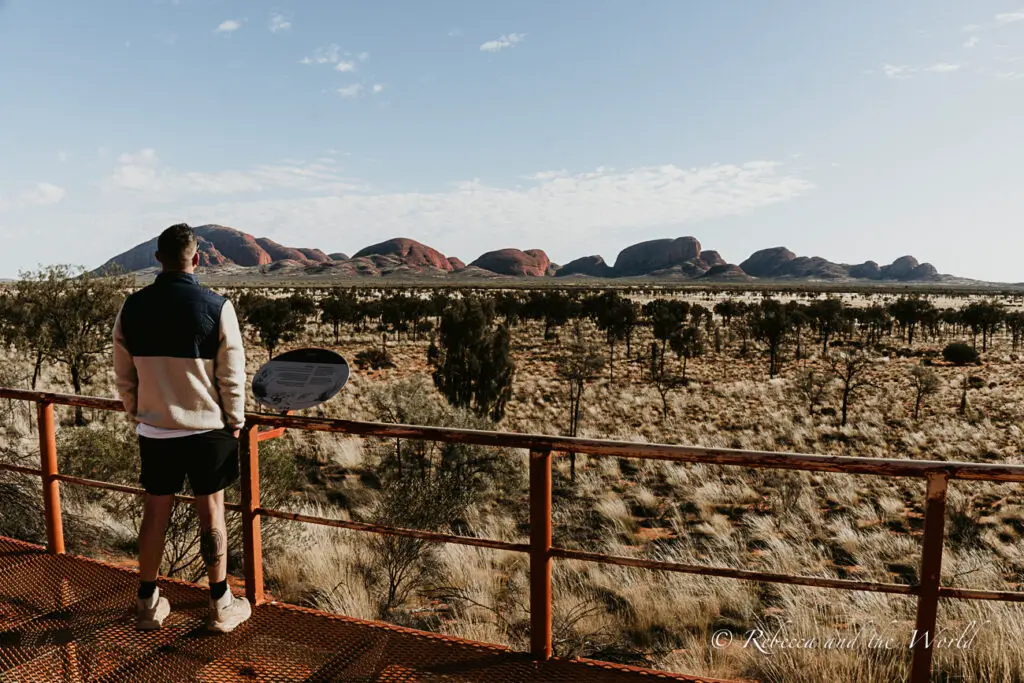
(125,374)
(230,369)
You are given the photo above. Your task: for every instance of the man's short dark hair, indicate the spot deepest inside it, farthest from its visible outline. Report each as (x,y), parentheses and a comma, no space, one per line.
(176,245)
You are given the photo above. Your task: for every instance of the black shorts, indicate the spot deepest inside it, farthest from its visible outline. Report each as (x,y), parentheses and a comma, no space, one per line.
(209,460)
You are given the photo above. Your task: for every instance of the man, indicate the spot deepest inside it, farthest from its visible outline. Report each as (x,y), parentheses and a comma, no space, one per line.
(180,369)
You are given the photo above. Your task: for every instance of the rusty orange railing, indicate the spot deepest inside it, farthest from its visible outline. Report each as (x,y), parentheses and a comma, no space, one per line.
(540,548)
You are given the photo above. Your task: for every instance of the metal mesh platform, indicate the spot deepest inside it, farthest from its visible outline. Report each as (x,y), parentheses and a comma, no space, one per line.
(65,618)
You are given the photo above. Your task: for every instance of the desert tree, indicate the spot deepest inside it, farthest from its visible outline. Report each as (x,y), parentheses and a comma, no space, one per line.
(908,312)
(554,308)
(729,310)
(579,363)
(662,378)
(1015,324)
(798,320)
(611,314)
(826,317)
(340,307)
(984,317)
(851,371)
(876,322)
(274,319)
(66,315)
(426,485)
(687,343)
(770,323)
(925,382)
(471,358)
(666,317)
(811,386)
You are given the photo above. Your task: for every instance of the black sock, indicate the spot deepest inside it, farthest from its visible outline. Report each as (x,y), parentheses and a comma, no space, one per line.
(217,590)
(146,589)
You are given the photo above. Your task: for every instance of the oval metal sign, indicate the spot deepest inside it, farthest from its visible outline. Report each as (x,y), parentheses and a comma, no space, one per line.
(300,379)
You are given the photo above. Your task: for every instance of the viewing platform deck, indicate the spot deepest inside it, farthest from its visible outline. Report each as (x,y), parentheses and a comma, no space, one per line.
(66,618)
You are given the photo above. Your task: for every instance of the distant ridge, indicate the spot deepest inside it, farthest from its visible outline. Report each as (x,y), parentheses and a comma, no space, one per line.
(681,258)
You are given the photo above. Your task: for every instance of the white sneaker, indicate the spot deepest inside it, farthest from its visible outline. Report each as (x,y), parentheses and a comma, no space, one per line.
(228,612)
(150,614)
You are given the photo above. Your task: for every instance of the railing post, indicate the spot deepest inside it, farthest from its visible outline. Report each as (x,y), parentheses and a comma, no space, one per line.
(252,537)
(540,554)
(51,486)
(931,571)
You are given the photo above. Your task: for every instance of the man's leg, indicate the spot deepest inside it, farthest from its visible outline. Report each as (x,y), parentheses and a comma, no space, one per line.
(151,609)
(155,515)
(213,542)
(213,467)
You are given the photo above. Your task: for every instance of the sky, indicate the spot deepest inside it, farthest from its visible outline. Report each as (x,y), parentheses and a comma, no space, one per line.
(847,130)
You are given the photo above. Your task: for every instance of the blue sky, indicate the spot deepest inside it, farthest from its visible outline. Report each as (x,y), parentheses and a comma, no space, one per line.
(851,131)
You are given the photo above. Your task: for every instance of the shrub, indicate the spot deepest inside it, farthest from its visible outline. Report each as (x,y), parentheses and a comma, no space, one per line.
(375,358)
(960,354)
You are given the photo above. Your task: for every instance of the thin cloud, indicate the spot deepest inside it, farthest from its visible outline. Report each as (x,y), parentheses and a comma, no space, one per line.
(144,175)
(505,41)
(943,68)
(897,71)
(42,194)
(229,26)
(378,88)
(351,90)
(904,71)
(972,42)
(279,23)
(332,54)
(62,157)
(1010,17)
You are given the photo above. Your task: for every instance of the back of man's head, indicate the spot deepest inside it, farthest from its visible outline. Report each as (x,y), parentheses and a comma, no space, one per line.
(176,247)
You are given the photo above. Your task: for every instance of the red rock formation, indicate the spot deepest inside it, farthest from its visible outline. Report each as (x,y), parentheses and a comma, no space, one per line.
(314,255)
(278,252)
(410,251)
(594,266)
(457,264)
(767,262)
(241,248)
(712,259)
(647,257)
(532,262)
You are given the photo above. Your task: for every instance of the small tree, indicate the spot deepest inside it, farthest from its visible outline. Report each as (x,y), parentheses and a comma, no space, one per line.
(66,315)
(908,312)
(925,382)
(340,308)
(662,378)
(960,354)
(612,316)
(827,318)
(275,320)
(1015,323)
(687,343)
(811,386)
(579,363)
(850,369)
(769,323)
(471,358)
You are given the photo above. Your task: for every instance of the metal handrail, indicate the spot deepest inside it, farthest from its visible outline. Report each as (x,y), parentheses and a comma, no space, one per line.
(540,548)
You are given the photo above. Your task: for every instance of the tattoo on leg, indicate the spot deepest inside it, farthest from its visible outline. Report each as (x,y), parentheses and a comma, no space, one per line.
(212,547)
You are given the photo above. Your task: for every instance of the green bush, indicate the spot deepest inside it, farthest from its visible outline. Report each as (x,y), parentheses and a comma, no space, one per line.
(960,354)
(376,358)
